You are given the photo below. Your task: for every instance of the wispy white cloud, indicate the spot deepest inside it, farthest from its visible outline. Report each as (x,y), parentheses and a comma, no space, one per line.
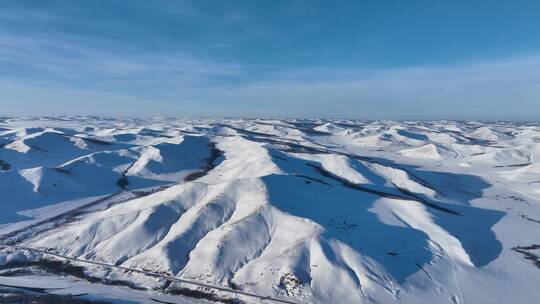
(68,59)
(501,89)
(59,73)
(506,89)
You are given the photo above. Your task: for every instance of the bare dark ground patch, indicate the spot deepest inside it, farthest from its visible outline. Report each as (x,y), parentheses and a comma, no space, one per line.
(4,166)
(526,251)
(215,153)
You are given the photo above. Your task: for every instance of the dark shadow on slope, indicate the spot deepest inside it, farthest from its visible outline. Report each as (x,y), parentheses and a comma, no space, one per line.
(309,128)
(411,135)
(456,188)
(125,137)
(247,132)
(94,175)
(454,192)
(345,215)
(4,141)
(475,233)
(404,194)
(191,154)
(344,211)
(4,166)
(52,149)
(215,158)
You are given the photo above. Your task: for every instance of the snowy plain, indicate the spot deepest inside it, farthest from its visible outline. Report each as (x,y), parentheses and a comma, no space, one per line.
(306,211)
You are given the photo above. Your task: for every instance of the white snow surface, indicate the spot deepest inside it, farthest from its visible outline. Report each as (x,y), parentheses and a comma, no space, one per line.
(310,211)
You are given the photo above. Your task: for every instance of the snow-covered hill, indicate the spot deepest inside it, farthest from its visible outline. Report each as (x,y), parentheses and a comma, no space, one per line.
(308,211)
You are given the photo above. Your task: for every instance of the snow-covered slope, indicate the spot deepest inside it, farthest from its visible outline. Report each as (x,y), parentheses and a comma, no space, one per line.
(308,211)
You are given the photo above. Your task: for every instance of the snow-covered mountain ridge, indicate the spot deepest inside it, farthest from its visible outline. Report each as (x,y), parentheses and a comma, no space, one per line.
(312,211)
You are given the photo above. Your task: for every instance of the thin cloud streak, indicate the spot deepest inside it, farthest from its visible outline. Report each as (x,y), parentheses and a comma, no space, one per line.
(63,59)
(65,71)
(443,92)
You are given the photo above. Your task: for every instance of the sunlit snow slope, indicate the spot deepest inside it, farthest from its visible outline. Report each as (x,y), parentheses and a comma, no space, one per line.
(311,211)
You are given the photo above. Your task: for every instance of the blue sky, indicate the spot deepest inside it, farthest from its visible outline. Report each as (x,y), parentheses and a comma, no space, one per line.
(349,59)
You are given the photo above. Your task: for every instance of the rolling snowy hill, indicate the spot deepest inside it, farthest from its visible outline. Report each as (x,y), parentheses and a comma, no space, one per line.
(303,211)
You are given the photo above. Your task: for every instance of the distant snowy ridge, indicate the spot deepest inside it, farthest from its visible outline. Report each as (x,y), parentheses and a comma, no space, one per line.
(315,211)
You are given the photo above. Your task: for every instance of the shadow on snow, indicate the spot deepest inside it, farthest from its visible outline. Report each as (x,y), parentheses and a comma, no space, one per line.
(346,214)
